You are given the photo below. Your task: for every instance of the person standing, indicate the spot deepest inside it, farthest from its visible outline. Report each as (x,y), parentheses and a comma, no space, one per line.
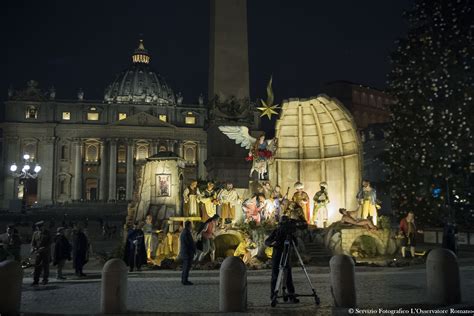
(367,198)
(80,250)
(408,232)
(321,200)
(41,249)
(135,252)
(12,243)
(228,197)
(450,234)
(62,252)
(276,240)
(191,199)
(302,198)
(207,237)
(187,250)
(208,202)
(148,232)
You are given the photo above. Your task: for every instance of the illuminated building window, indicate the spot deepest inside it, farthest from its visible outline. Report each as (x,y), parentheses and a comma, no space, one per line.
(92,153)
(163,117)
(92,116)
(66,116)
(140,58)
(190,154)
(142,152)
(122,116)
(190,119)
(32,112)
(30,150)
(122,154)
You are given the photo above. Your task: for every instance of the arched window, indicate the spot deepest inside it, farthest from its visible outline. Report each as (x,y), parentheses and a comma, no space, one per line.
(32,112)
(162,148)
(142,152)
(30,149)
(190,155)
(92,153)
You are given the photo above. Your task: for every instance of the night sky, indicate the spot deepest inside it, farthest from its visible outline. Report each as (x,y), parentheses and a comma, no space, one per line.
(302,43)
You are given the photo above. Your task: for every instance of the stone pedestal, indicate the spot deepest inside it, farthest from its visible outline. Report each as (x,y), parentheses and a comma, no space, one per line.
(343,281)
(442,276)
(11,276)
(113,298)
(233,285)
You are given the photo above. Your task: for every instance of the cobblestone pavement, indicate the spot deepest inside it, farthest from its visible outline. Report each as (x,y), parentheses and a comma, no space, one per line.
(161,291)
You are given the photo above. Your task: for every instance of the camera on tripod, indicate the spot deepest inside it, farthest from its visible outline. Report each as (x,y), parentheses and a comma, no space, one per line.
(284,242)
(290,226)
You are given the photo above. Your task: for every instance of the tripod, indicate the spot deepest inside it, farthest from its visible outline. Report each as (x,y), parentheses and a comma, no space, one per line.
(283,273)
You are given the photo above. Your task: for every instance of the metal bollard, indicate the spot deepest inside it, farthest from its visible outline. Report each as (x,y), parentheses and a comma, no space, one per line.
(113,298)
(233,285)
(343,281)
(11,275)
(442,276)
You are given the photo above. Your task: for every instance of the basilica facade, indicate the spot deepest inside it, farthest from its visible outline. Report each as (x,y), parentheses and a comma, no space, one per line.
(88,149)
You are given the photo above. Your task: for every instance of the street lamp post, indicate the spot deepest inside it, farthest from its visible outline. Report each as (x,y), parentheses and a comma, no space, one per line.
(26,172)
(29,170)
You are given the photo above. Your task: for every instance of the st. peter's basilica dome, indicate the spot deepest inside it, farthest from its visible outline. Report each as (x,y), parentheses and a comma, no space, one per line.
(139,83)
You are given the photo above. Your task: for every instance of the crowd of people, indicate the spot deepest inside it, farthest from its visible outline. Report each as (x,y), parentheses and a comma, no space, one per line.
(46,249)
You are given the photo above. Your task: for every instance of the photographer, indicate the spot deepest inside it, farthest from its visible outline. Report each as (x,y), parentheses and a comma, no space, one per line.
(277,239)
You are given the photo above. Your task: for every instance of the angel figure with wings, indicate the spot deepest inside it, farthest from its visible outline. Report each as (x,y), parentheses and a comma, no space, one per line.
(261,150)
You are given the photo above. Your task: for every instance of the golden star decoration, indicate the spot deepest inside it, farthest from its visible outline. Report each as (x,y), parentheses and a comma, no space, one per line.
(268,110)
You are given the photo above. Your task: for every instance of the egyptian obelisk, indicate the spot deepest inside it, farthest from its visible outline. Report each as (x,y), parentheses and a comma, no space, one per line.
(229,102)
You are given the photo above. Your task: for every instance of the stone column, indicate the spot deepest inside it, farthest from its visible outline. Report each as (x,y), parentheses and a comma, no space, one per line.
(77,191)
(202,156)
(12,155)
(228,46)
(46,175)
(112,169)
(154,147)
(179,149)
(170,145)
(129,192)
(103,173)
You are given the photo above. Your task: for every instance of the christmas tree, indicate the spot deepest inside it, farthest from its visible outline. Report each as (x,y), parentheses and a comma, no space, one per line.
(430,139)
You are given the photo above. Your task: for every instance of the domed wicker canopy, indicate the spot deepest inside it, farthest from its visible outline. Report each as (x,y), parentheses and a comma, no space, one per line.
(318,142)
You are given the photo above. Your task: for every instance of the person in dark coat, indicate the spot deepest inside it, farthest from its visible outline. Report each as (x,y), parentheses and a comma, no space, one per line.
(277,240)
(41,249)
(187,250)
(80,250)
(62,252)
(450,233)
(135,251)
(12,242)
